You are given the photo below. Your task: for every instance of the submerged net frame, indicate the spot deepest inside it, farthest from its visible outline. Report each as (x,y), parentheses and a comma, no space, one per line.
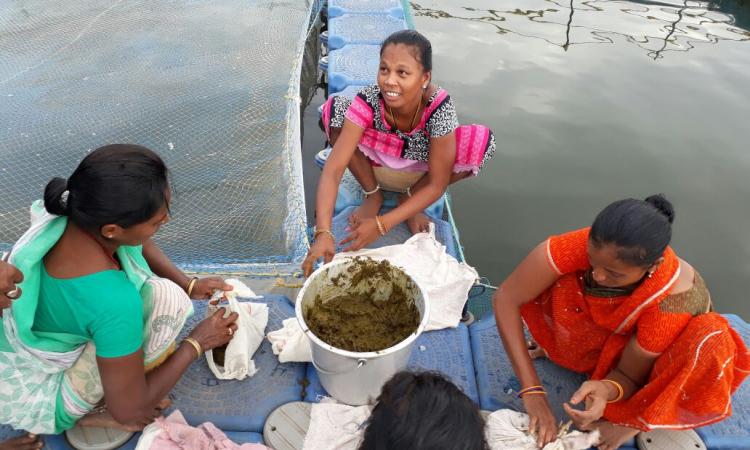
(213,87)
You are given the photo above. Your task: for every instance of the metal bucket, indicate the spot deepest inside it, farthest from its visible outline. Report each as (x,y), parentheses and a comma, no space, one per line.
(355,378)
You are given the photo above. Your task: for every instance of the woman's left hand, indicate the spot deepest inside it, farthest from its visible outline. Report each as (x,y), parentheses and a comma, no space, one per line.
(595,393)
(362,233)
(205,287)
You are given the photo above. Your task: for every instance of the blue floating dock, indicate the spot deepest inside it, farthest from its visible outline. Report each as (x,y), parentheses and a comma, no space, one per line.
(240,405)
(337,8)
(446,351)
(732,433)
(398,235)
(352,65)
(7,432)
(352,29)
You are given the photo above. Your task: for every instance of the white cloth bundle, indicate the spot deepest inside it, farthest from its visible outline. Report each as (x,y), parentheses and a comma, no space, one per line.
(336,426)
(290,343)
(507,429)
(251,326)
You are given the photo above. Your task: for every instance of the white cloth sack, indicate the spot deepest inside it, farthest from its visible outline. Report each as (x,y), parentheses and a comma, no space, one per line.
(509,430)
(251,326)
(446,280)
(337,426)
(289,343)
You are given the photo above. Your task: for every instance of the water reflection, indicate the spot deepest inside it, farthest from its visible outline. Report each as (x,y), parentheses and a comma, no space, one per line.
(656,27)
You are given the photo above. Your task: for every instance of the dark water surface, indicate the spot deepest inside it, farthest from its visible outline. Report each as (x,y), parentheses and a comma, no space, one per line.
(593,101)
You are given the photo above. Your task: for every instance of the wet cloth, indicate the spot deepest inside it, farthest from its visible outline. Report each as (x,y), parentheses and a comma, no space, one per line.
(50,378)
(251,324)
(174,433)
(509,430)
(702,359)
(290,343)
(384,146)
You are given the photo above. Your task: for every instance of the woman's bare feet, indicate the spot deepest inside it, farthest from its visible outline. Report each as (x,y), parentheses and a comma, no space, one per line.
(370,207)
(104,419)
(613,436)
(27,442)
(535,351)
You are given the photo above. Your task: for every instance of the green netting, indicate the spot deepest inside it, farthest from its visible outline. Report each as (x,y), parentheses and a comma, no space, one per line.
(212,86)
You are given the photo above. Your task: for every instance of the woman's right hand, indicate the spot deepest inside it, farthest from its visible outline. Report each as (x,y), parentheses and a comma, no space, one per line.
(323,247)
(215,331)
(541,419)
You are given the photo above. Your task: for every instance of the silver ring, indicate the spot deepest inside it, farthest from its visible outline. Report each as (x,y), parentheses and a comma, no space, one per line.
(230,331)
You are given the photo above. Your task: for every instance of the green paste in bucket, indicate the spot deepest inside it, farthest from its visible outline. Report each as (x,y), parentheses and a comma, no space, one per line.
(371,313)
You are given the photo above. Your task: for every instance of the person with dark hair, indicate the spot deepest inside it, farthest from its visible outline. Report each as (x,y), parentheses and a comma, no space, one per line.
(423,411)
(92,337)
(400,134)
(613,301)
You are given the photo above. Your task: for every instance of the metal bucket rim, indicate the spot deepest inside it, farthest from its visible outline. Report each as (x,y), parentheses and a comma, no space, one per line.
(360,355)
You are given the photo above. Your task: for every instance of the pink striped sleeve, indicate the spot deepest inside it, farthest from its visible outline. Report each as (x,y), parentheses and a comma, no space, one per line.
(360,113)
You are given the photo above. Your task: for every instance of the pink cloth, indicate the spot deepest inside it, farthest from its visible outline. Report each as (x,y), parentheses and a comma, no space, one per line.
(176,434)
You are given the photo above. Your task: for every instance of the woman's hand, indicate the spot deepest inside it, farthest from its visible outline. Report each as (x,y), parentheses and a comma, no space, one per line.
(541,420)
(323,247)
(215,331)
(595,394)
(363,233)
(205,287)
(9,277)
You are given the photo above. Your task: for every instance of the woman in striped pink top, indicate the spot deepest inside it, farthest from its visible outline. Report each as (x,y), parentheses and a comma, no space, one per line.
(400,134)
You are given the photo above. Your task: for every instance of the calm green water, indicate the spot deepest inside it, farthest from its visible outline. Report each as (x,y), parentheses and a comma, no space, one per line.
(600,101)
(596,101)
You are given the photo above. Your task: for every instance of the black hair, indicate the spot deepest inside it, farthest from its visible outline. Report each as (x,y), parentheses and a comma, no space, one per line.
(422,48)
(641,229)
(121,184)
(423,411)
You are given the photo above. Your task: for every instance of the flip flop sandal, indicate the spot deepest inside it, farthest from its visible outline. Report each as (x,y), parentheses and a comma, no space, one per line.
(287,425)
(97,438)
(669,440)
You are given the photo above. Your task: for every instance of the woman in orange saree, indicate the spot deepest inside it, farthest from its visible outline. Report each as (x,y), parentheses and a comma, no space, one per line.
(615,302)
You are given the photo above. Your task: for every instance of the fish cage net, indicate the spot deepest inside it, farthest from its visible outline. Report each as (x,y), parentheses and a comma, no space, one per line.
(212,86)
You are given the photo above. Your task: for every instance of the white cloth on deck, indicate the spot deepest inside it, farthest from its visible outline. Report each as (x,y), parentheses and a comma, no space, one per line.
(337,426)
(251,326)
(290,343)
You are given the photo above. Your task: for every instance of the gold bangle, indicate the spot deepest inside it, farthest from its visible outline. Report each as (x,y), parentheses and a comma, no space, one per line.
(190,286)
(533,393)
(383,230)
(195,345)
(620,390)
(328,232)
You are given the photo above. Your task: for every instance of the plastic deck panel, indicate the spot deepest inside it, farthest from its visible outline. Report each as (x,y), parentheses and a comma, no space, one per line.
(446,351)
(338,8)
(352,65)
(398,235)
(352,29)
(6,432)
(240,405)
(350,91)
(734,432)
(58,442)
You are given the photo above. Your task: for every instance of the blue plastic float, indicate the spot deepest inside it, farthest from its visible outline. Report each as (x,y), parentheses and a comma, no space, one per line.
(361,29)
(337,8)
